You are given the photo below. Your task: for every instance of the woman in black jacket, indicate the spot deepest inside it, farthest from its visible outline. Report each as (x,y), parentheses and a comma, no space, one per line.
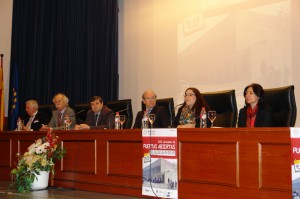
(255,113)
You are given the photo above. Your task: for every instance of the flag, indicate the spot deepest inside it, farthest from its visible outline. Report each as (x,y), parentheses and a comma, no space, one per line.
(2,116)
(14,100)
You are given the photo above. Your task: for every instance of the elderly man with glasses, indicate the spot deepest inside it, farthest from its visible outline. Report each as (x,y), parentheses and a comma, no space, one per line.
(162,117)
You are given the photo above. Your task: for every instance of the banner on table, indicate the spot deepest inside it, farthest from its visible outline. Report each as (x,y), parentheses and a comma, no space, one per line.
(160,166)
(295,164)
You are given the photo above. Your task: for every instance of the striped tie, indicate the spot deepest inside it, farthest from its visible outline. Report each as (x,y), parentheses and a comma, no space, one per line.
(28,125)
(149,111)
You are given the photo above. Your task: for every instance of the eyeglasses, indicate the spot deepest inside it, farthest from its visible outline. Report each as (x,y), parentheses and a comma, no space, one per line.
(190,94)
(150,98)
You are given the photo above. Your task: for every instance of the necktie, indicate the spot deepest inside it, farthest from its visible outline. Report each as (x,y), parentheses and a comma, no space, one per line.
(96,119)
(148,111)
(28,125)
(59,119)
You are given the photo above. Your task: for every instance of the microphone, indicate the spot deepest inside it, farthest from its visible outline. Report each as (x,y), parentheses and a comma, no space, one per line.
(173,112)
(114,112)
(76,113)
(122,110)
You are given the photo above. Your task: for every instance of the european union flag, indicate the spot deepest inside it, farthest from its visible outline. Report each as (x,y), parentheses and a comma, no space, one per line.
(15,100)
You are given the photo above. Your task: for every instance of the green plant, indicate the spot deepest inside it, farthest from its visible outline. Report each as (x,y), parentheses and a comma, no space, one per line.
(40,156)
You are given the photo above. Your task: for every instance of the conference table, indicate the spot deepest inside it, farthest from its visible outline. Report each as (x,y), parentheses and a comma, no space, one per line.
(212,162)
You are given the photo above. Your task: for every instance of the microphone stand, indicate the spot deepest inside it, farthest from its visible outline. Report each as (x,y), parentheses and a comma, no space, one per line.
(109,118)
(76,113)
(173,112)
(150,172)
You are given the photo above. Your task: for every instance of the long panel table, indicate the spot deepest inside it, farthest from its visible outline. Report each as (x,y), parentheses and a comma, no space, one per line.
(212,163)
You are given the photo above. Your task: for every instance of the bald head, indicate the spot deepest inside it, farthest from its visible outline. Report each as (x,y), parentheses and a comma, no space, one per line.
(148,92)
(149,98)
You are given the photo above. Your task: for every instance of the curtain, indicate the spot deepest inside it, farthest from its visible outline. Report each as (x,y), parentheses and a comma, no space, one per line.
(67,46)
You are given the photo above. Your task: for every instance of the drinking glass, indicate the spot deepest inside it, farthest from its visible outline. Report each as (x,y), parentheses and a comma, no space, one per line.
(20,125)
(152,118)
(122,120)
(212,116)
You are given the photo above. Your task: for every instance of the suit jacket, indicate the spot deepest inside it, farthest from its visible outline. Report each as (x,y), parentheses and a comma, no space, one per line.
(264,117)
(162,118)
(105,119)
(54,120)
(39,119)
(197,119)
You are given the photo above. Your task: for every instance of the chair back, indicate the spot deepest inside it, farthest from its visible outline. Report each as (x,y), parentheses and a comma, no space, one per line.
(282,101)
(224,103)
(47,108)
(168,103)
(81,112)
(125,108)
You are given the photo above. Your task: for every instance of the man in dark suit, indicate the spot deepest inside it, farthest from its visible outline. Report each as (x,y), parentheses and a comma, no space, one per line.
(98,117)
(162,117)
(34,119)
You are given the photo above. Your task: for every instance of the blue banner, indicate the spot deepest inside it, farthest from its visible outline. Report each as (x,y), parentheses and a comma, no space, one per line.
(15,99)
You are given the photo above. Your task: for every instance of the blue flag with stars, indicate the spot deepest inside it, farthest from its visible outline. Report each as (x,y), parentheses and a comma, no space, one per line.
(15,100)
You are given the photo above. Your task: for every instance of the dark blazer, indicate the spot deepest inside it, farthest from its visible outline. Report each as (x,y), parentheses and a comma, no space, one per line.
(105,119)
(264,117)
(162,118)
(54,120)
(176,119)
(39,119)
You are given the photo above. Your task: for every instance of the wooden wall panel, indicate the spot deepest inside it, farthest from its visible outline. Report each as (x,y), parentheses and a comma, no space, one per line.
(209,162)
(5,153)
(272,167)
(123,155)
(23,145)
(83,158)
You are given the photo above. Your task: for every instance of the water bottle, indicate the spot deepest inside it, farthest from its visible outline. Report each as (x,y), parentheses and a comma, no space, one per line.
(117,121)
(67,122)
(203,118)
(145,121)
(19,124)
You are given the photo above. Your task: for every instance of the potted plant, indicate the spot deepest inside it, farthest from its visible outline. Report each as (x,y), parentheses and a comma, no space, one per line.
(40,156)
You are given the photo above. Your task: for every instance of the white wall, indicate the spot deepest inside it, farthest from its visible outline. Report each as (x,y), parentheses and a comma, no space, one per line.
(5,43)
(169,45)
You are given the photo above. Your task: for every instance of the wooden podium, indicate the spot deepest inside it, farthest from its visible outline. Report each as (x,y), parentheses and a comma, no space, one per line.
(212,163)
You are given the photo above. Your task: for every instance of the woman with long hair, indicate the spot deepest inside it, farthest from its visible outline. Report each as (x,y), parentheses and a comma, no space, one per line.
(188,115)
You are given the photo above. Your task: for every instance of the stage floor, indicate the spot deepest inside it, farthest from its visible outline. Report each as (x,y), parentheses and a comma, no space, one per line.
(54,193)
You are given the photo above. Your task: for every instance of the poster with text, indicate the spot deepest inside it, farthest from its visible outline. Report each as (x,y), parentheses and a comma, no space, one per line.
(160,177)
(295,162)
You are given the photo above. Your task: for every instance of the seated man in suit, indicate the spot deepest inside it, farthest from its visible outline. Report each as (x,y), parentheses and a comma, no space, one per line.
(34,119)
(162,117)
(62,110)
(98,117)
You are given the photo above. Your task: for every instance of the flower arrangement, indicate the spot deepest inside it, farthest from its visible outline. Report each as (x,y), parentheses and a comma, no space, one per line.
(40,156)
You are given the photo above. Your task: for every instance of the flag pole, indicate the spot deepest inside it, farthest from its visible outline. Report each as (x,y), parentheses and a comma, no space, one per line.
(1,95)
